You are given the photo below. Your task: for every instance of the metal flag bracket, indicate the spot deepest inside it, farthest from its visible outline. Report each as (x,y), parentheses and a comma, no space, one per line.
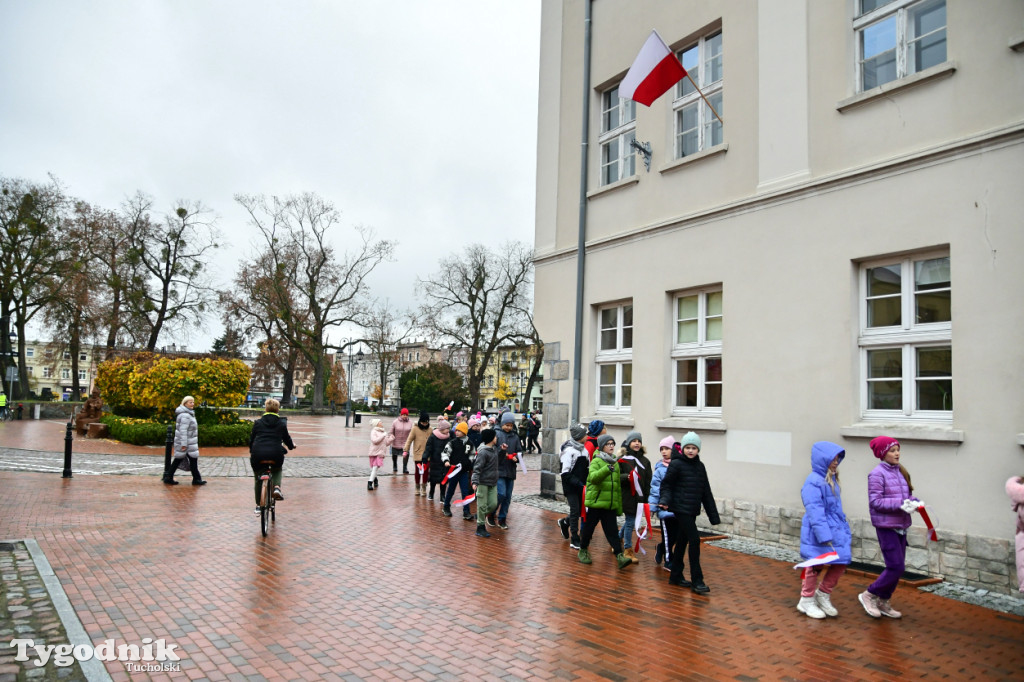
(644,149)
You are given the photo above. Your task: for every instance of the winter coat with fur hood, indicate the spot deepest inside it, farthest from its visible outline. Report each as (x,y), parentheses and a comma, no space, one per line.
(186,433)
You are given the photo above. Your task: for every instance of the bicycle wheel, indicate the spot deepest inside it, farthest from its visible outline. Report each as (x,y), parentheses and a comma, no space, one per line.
(264,508)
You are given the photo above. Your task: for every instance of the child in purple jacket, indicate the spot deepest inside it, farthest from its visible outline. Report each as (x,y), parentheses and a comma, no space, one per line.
(891,501)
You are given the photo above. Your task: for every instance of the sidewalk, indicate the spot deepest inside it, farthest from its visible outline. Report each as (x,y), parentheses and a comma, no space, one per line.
(356,585)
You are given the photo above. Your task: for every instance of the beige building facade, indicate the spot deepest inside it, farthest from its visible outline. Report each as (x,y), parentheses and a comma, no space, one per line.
(841,258)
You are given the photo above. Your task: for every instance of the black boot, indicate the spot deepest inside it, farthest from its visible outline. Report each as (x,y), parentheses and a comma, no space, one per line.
(405,464)
(369,486)
(193,466)
(169,474)
(481,531)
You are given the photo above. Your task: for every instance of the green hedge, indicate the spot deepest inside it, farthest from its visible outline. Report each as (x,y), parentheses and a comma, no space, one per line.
(139,432)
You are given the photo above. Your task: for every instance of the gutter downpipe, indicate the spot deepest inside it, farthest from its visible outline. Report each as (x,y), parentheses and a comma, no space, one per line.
(577,357)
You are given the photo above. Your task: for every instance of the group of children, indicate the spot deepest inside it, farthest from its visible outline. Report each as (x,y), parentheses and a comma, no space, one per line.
(469,458)
(601,483)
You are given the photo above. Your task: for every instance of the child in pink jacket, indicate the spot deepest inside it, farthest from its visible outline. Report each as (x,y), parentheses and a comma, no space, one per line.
(379,442)
(1015,489)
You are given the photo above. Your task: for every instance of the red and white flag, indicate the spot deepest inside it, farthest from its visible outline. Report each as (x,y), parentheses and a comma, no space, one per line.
(821,559)
(452,471)
(449,406)
(654,71)
(464,501)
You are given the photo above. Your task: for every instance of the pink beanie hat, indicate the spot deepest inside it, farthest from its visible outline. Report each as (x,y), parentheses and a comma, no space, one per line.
(667,442)
(881,445)
(443,424)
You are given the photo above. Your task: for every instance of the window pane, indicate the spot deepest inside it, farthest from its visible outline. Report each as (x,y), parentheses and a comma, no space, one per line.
(610,110)
(607,375)
(885,363)
(690,60)
(934,379)
(686,332)
(686,131)
(869,5)
(885,395)
(629,155)
(715,329)
(686,395)
(884,312)
(712,126)
(931,274)
(879,71)
(715,303)
(935,394)
(879,38)
(686,371)
(926,52)
(627,316)
(610,162)
(933,307)
(714,395)
(686,308)
(609,318)
(628,109)
(713,60)
(627,396)
(627,373)
(884,280)
(627,337)
(607,395)
(935,362)
(713,369)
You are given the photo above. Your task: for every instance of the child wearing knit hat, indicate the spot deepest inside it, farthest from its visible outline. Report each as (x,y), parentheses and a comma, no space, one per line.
(575,466)
(633,458)
(666,519)
(604,501)
(684,490)
(891,501)
(595,430)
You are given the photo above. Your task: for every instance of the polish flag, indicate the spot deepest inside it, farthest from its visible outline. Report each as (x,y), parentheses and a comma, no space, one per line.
(654,71)
(464,501)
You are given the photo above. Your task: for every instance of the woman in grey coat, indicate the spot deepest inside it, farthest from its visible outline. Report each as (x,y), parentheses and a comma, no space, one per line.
(186,442)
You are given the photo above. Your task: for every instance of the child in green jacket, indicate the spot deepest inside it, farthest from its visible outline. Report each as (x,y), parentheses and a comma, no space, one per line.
(604,501)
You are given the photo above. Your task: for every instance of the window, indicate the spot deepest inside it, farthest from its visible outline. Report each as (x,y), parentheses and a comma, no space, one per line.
(29,369)
(67,355)
(897,38)
(65,373)
(697,127)
(30,352)
(906,339)
(417,356)
(615,358)
(47,372)
(81,375)
(82,357)
(697,353)
(618,130)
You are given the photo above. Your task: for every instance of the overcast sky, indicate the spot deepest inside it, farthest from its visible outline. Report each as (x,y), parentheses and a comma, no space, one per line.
(417,119)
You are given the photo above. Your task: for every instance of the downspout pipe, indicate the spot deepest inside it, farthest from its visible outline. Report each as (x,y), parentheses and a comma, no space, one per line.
(577,357)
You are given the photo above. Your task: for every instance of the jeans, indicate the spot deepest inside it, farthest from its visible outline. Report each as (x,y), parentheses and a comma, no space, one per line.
(609,524)
(626,532)
(463,484)
(486,501)
(894,553)
(505,486)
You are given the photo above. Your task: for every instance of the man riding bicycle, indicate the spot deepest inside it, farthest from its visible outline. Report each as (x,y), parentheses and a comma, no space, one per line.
(266,442)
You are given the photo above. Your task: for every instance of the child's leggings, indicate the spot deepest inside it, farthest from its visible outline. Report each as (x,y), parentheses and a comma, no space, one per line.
(829,576)
(894,553)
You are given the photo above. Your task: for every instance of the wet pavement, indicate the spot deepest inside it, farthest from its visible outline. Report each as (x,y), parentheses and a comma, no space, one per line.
(352,585)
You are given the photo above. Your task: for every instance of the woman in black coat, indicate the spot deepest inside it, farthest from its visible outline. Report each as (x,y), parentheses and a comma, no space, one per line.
(266,442)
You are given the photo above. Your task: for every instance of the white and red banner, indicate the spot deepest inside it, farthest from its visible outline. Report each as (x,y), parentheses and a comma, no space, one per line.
(821,559)
(643,526)
(452,471)
(634,476)
(932,535)
(655,70)
(464,501)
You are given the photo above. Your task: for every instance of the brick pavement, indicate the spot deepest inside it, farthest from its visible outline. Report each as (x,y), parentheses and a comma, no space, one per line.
(357,585)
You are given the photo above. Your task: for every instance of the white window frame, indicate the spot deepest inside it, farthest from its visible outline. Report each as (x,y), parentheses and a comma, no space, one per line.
(901,9)
(617,138)
(47,372)
(706,120)
(619,356)
(908,337)
(29,368)
(65,374)
(81,375)
(30,352)
(702,350)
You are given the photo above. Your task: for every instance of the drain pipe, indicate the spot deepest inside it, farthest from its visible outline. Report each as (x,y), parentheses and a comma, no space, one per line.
(577,357)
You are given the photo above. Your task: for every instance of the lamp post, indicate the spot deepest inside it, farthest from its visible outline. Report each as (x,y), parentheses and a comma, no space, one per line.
(9,372)
(348,385)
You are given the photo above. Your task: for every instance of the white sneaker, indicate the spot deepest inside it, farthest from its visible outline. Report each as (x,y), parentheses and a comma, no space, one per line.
(808,606)
(886,609)
(870,604)
(824,603)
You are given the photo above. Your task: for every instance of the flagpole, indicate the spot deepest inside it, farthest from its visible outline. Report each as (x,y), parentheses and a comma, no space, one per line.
(697,87)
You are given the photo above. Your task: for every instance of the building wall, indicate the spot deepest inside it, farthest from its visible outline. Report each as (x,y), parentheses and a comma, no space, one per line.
(814,180)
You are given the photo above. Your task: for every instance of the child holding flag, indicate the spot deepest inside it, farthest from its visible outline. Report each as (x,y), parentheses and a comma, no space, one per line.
(511,449)
(636,486)
(890,501)
(457,456)
(432,456)
(415,444)
(604,501)
(824,531)
(485,479)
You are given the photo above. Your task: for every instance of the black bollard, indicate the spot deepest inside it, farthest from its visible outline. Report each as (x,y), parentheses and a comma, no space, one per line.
(168,450)
(67,451)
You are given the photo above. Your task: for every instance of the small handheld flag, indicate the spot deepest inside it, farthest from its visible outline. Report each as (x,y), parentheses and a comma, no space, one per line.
(464,501)
(821,559)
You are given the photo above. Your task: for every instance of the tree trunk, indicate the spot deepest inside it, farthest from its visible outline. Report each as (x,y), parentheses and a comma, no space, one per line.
(533,378)
(289,379)
(74,344)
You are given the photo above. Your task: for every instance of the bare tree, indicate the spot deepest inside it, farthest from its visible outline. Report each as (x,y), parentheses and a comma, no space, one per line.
(172,259)
(32,259)
(384,328)
(477,301)
(311,281)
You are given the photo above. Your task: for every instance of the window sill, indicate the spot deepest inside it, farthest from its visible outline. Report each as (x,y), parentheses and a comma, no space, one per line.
(943,70)
(691,424)
(631,180)
(1017,43)
(903,431)
(694,158)
(614,419)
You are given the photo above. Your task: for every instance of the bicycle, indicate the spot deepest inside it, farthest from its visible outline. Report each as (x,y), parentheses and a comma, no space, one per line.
(268,505)
(6,414)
